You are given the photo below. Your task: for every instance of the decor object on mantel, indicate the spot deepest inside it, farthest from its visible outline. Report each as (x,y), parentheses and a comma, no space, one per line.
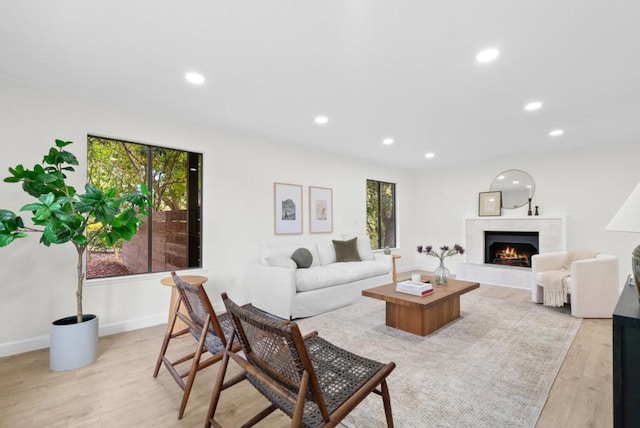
(441,272)
(489,204)
(517,188)
(627,219)
(63,216)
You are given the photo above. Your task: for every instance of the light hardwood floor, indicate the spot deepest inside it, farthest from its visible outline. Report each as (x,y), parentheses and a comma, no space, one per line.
(119,390)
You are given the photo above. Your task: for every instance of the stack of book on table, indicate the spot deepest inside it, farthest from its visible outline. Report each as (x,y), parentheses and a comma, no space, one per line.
(415,288)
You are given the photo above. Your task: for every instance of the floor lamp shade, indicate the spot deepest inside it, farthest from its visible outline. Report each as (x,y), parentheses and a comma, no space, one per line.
(627,219)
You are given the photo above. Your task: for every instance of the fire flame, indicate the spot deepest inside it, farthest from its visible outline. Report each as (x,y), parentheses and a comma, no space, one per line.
(511,254)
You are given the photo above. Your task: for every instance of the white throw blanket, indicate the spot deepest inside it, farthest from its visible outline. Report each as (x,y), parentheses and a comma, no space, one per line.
(555,282)
(556,289)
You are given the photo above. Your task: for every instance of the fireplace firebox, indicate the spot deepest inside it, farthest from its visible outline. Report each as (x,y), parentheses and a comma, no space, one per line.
(510,248)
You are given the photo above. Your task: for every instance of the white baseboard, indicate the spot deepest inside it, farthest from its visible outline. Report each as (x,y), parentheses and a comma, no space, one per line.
(42,342)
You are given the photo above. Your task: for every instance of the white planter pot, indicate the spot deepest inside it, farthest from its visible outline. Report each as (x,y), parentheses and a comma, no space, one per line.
(73,345)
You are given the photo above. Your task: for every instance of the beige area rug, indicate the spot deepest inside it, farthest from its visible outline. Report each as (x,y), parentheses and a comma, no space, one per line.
(493,367)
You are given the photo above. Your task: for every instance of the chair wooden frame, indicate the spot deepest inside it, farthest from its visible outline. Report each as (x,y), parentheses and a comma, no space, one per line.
(208,333)
(313,381)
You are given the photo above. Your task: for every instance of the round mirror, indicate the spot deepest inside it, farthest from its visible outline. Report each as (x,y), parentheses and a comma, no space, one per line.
(516,187)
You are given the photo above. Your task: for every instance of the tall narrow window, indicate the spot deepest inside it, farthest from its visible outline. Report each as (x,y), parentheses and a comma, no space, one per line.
(170,237)
(381,214)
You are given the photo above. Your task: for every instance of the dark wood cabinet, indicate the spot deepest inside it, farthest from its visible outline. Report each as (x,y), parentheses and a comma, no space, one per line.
(626,359)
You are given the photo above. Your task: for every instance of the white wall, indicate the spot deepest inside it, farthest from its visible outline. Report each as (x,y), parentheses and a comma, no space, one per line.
(239,172)
(588,186)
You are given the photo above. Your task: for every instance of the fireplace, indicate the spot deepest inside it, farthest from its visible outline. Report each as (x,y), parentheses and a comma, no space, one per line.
(509,248)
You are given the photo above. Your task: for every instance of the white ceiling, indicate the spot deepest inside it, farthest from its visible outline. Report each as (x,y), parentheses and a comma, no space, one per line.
(376,68)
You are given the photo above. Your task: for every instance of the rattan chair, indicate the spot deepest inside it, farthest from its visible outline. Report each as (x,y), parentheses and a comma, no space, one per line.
(313,381)
(208,329)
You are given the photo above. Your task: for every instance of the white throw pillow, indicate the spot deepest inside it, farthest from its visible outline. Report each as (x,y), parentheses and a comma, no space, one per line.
(279,260)
(364,245)
(269,250)
(327,253)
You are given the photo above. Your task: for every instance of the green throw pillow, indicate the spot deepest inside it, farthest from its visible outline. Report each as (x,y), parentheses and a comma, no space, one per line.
(347,251)
(302,257)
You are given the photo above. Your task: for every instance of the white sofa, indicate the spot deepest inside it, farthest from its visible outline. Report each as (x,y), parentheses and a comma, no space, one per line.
(278,287)
(592,282)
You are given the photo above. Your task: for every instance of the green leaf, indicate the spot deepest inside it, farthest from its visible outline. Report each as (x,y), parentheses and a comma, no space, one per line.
(69,158)
(52,157)
(6,239)
(64,216)
(47,178)
(12,180)
(144,189)
(60,143)
(47,199)
(80,240)
(110,193)
(18,171)
(7,215)
(32,206)
(48,236)
(41,215)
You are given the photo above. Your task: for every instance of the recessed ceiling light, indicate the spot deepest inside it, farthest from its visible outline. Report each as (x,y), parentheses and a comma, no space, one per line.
(321,120)
(488,55)
(533,105)
(556,133)
(195,78)
(515,182)
(501,177)
(429,155)
(387,141)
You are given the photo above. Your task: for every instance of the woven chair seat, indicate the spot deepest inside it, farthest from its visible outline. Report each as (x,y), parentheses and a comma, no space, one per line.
(212,342)
(340,374)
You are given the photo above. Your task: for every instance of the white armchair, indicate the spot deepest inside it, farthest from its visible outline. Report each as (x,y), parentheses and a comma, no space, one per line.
(592,283)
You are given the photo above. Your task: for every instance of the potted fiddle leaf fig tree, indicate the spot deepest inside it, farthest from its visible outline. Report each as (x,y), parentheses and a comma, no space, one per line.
(61,215)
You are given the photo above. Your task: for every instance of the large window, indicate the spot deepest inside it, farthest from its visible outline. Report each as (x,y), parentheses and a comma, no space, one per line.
(381,214)
(170,237)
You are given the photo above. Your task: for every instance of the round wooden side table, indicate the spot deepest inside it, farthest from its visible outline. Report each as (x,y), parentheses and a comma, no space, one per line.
(168,281)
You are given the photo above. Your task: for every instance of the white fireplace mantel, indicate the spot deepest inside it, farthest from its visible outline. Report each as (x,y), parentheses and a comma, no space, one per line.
(552,237)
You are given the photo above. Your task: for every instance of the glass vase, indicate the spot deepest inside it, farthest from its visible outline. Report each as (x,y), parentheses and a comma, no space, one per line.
(442,274)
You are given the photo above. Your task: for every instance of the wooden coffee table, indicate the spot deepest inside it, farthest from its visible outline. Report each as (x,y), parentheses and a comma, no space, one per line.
(422,315)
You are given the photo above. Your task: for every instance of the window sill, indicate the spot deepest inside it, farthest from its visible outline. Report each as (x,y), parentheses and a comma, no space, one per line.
(142,277)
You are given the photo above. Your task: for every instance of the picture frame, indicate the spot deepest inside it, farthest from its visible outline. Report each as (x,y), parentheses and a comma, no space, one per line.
(287,208)
(320,209)
(490,204)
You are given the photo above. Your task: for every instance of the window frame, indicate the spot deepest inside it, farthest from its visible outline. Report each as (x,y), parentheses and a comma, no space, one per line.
(379,184)
(194,215)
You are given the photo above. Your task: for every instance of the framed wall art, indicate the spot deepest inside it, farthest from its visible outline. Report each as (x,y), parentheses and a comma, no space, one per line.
(287,207)
(490,204)
(320,210)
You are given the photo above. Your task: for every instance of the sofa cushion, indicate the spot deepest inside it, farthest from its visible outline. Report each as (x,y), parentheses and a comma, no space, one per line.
(302,257)
(318,277)
(346,251)
(326,252)
(269,250)
(280,260)
(364,245)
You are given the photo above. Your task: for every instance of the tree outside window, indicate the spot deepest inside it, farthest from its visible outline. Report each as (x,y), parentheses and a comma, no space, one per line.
(170,237)
(381,214)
